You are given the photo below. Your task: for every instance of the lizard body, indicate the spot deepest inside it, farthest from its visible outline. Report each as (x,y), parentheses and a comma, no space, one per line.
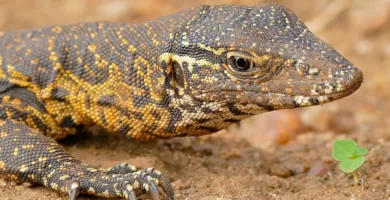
(191,73)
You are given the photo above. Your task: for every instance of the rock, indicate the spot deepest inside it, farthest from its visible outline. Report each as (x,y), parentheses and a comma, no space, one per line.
(363,47)
(319,169)
(189,190)
(114,9)
(280,170)
(3,183)
(270,128)
(298,168)
(27,184)
(331,119)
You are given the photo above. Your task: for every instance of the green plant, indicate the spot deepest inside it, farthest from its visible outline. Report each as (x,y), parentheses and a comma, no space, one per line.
(350,155)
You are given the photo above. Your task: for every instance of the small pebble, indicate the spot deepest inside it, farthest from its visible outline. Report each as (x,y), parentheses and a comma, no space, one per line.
(319,169)
(3,183)
(280,170)
(189,190)
(332,119)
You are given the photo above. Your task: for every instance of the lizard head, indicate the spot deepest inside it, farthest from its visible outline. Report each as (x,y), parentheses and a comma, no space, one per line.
(246,60)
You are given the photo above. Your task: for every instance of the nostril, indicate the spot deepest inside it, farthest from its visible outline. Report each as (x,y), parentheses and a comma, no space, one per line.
(302,67)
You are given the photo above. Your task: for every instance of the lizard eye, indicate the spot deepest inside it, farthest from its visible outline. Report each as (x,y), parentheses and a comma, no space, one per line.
(302,67)
(241,64)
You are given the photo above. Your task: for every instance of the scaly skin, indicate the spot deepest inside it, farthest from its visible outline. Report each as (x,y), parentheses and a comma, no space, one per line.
(191,73)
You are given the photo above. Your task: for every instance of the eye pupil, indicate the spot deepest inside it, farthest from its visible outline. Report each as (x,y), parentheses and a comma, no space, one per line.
(241,64)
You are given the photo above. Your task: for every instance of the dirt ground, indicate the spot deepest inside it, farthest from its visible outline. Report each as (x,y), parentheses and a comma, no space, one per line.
(282,155)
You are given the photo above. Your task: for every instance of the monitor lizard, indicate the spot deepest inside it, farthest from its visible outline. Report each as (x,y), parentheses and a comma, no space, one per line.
(191,73)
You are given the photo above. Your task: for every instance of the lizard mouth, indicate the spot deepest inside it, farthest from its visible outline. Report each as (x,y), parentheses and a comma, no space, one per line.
(293,101)
(279,95)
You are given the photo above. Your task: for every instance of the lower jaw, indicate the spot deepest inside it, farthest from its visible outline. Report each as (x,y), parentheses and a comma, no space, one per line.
(274,101)
(293,101)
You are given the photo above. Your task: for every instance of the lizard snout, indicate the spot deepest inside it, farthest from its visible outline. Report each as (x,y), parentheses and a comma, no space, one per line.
(348,78)
(338,82)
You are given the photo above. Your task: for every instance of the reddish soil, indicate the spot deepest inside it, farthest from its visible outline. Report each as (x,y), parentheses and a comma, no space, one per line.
(283,155)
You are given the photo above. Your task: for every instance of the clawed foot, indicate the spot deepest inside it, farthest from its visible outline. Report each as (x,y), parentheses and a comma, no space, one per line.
(120,181)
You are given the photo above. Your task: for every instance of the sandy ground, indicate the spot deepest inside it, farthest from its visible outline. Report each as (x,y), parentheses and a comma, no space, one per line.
(282,155)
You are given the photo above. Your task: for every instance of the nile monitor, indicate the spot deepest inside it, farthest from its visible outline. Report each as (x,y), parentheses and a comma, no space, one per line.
(191,73)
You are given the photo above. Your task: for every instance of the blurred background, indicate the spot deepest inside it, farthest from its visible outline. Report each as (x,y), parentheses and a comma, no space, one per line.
(358,29)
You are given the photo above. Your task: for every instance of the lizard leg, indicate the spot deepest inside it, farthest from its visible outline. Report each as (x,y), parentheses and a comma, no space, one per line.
(28,156)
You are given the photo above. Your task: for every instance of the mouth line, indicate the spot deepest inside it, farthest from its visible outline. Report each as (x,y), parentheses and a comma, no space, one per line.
(338,94)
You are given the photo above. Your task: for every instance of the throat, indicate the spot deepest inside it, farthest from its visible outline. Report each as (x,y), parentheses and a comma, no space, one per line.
(202,117)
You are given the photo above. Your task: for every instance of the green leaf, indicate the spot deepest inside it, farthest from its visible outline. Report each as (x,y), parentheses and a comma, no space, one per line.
(360,151)
(351,165)
(343,149)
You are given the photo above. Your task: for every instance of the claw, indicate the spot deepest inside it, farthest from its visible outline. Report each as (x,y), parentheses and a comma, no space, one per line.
(154,191)
(166,186)
(130,194)
(74,189)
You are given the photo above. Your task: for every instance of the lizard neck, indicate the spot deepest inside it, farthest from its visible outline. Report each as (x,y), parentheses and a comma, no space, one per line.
(113,77)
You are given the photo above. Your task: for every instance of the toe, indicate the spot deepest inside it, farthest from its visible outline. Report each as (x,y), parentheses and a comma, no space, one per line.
(165,184)
(129,192)
(154,191)
(155,178)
